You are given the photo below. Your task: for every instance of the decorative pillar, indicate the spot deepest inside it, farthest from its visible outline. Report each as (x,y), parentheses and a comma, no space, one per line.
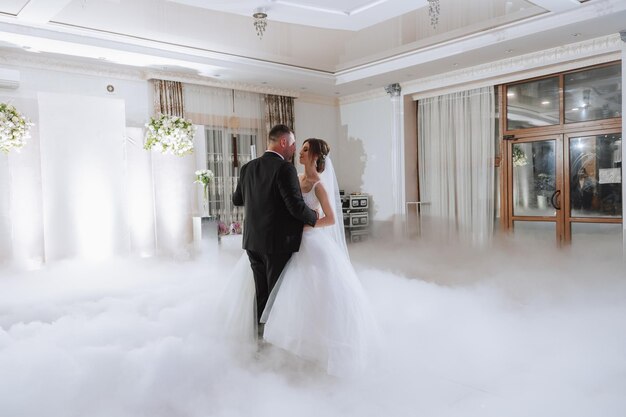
(623,36)
(397,158)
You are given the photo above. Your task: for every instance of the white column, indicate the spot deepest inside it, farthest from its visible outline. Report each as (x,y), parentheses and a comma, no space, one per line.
(397,158)
(623,35)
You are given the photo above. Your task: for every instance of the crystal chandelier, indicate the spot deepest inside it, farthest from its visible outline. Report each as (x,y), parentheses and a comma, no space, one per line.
(260,23)
(433,12)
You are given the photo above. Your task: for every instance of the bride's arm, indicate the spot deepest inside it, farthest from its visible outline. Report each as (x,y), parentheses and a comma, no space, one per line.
(329,215)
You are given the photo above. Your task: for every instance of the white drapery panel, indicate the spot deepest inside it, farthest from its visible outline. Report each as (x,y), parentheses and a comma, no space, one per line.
(234,120)
(83,176)
(84,187)
(456,134)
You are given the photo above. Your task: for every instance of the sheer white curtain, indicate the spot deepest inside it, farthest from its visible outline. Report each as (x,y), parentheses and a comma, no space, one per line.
(456,172)
(233,121)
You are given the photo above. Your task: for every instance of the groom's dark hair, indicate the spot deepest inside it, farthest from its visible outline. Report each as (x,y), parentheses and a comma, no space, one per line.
(278,131)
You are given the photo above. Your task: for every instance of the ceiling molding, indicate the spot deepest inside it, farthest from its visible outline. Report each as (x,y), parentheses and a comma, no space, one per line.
(317,99)
(595,51)
(199,80)
(486,39)
(97,69)
(364,96)
(109,70)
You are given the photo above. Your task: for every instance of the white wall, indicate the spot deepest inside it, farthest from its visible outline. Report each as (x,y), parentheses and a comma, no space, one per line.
(365,152)
(315,120)
(137,94)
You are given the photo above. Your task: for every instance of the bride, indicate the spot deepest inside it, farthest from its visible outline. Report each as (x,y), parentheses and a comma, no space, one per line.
(318,309)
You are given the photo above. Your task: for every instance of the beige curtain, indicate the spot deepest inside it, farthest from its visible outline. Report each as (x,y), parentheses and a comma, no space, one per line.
(278,110)
(168,98)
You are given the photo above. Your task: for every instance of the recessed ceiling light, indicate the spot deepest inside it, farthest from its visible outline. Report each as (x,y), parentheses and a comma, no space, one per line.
(545,102)
(575,109)
(510,94)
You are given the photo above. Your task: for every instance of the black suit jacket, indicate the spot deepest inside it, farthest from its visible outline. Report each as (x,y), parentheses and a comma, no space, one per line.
(275,211)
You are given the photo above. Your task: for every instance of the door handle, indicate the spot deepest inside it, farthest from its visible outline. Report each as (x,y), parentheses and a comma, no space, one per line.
(552,199)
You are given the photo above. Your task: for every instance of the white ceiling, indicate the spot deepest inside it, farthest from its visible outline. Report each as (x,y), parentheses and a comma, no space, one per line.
(330,14)
(317,51)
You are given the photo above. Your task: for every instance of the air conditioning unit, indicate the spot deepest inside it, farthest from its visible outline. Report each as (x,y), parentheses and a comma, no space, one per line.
(9,78)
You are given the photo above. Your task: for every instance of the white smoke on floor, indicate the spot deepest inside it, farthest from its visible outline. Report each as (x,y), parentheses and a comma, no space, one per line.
(510,330)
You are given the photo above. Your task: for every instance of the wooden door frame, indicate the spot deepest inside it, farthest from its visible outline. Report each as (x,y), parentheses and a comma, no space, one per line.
(563,131)
(558,218)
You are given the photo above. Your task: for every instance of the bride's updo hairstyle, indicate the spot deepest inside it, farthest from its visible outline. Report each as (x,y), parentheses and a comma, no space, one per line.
(318,148)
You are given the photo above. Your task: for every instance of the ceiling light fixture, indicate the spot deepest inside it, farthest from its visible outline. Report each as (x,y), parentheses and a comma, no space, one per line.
(433,12)
(260,22)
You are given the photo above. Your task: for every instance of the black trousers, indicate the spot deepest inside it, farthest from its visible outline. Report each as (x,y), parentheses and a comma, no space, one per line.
(266,268)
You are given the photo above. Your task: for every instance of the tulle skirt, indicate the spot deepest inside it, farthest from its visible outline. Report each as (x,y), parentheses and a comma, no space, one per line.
(318,309)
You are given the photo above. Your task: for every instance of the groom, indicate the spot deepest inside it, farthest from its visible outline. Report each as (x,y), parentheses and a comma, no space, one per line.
(275,212)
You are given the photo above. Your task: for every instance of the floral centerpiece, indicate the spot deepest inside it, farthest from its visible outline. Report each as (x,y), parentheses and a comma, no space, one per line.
(235,228)
(222,229)
(204,177)
(519,157)
(170,134)
(14,128)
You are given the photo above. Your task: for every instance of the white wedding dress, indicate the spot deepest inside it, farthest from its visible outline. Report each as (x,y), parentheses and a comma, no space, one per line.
(318,309)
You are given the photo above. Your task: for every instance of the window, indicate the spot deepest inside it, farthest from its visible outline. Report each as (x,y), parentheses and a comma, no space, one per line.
(593,94)
(226,152)
(533,104)
(563,100)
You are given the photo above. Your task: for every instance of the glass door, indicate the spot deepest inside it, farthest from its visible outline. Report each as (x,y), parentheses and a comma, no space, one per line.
(563,157)
(593,193)
(566,187)
(535,188)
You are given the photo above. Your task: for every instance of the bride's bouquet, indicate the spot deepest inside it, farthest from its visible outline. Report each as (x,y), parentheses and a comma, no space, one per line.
(14,128)
(170,134)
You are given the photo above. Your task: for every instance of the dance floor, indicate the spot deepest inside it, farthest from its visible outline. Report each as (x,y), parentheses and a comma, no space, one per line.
(507,331)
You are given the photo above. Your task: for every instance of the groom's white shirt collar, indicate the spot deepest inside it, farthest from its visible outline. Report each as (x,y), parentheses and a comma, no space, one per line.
(276,154)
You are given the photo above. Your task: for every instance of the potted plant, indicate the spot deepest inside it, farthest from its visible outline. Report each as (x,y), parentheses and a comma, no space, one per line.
(544,186)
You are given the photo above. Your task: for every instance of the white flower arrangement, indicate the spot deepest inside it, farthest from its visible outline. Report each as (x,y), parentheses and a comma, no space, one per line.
(14,128)
(204,177)
(519,157)
(170,134)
